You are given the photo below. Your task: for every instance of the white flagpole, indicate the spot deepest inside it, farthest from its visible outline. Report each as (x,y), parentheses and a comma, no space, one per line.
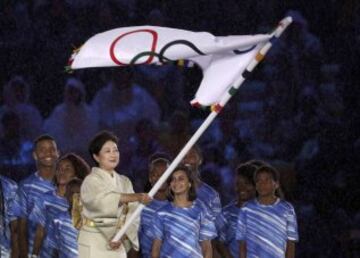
(215,110)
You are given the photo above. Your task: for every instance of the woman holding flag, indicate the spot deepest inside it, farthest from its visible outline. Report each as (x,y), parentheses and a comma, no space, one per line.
(108,200)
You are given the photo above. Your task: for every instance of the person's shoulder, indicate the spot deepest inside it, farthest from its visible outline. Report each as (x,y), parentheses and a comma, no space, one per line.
(157,204)
(230,206)
(9,187)
(59,109)
(9,182)
(26,181)
(250,204)
(205,187)
(286,205)
(139,90)
(166,207)
(104,91)
(122,177)
(28,108)
(201,206)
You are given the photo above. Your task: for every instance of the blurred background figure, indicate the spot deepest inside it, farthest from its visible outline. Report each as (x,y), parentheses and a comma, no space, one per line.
(72,122)
(15,151)
(16,96)
(122,103)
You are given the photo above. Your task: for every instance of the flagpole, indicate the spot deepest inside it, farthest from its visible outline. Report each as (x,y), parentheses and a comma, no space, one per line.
(215,110)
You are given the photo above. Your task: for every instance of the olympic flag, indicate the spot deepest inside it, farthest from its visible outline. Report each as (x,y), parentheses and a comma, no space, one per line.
(227,56)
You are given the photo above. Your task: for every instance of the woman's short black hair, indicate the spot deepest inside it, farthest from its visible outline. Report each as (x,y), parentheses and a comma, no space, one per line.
(98,142)
(192,191)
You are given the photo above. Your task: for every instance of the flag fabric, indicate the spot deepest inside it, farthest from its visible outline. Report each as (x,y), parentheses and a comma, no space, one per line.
(222,59)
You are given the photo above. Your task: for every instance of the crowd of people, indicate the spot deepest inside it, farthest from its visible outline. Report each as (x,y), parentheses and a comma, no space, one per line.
(296,112)
(66,210)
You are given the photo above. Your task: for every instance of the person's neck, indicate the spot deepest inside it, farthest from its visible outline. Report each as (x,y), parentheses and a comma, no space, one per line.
(182,201)
(46,173)
(267,200)
(61,189)
(110,172)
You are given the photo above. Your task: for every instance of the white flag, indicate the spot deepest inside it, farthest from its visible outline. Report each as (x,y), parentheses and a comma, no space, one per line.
(222,59)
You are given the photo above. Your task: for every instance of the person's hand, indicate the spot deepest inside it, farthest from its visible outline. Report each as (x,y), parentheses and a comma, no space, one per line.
(144,198)
(114,245)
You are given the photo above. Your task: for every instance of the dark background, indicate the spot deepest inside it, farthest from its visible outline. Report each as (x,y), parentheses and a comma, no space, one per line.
(310,100)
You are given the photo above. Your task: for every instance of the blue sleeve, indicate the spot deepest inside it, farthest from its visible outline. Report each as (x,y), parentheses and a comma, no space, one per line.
(38,213)
(207,228)
(53,238)
(216,205)
(13,209)
(157,227)
(241,225)
(221,225)
(291,225)
(22,203)
(64,236)
(231,230)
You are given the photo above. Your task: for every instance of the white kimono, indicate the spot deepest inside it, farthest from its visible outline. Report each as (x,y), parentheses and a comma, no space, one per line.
(100,196)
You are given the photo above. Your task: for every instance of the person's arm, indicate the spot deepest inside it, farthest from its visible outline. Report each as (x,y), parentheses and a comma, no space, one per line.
(23,241)
(14,239)
(38,239)
(290,249)
(134,197)
(243,249)
(206,248)
(155,250)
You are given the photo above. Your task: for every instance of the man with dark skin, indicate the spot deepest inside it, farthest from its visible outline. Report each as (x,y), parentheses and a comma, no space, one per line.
(32,189)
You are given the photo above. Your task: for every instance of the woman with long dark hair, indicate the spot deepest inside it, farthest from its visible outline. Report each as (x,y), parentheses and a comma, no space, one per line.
(183,227)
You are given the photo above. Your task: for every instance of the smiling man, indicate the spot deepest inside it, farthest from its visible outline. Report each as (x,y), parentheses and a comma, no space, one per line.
(32,189)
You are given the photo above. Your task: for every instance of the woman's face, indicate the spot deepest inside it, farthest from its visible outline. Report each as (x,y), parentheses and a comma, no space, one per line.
(244,189)
(179,183)
(65,172)
(109,156)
